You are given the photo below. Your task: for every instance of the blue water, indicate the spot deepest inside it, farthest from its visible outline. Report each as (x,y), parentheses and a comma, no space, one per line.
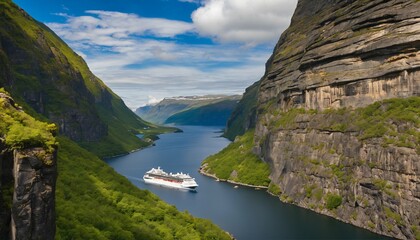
(246,213)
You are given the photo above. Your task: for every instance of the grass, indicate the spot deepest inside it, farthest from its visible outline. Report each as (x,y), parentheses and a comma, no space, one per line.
(238,157)
(274,189)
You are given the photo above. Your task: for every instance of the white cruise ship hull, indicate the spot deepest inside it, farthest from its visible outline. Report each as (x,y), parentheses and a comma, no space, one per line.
(170,184)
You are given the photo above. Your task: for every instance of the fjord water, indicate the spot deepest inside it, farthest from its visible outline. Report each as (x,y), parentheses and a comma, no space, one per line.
(245,212)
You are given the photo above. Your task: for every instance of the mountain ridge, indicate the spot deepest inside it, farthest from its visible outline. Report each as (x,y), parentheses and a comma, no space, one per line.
(191,110)
(45,75)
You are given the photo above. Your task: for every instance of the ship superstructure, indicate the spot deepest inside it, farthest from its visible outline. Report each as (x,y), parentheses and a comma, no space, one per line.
(173,180)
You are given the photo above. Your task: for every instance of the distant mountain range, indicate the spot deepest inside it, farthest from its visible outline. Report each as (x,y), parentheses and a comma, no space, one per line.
(210,110)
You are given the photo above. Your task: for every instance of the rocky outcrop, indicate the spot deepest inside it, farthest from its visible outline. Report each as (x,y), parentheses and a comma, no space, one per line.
(346,53)
(28,208)
(337,56)
(377,183)
(53,79)
(33,207)
(27,182)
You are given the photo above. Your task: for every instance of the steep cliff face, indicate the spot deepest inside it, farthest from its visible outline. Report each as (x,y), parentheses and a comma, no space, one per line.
(244,115)
(28,175)
(39,72)
(328,150)
(345,53)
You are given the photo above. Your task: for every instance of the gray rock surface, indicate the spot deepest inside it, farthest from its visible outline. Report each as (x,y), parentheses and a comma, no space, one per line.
(341,54)
(33,209)
(27,190)
(346,53)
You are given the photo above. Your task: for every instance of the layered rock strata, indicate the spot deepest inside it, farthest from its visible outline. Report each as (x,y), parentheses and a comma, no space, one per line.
(346,53)
(335,55)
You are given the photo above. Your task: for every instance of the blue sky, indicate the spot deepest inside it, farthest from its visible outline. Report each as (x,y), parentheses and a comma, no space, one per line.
(145,50)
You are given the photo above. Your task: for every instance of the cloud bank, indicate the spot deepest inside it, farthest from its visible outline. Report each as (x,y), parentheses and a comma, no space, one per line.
(250,22)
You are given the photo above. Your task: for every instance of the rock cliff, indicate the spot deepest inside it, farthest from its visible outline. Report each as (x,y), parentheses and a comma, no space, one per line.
(345,53)
(28,176)
(328,150)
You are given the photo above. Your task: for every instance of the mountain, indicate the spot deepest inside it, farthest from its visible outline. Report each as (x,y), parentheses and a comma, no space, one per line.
(244,114)
(45,75)
(212,110)
(337,114)
(56,120)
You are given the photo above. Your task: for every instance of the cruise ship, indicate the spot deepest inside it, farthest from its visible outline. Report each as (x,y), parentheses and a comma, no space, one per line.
(177,180)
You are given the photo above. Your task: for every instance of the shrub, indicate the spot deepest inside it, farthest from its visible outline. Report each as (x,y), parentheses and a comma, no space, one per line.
(333,201)
(274,189)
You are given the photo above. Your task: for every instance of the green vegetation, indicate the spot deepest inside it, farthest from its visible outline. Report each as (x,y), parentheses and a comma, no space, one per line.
(332,201)
(122,127)
(274,189)
(242,117)
(309,190)
(94,202)
(237,162)
(20,130)
(61,86)
(393,215)
(371,225)
(383,118)
(215,114)
(394,121)
(210,110)
(416,231)
(317,193)
(287,118)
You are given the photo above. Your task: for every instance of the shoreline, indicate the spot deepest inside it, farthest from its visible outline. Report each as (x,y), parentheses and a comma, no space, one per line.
(203,172)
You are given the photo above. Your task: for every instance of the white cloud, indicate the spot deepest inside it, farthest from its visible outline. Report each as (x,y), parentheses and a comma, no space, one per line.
(136,85)
(250,22)
(143,61)
(107,28)
(190,1)
(153,100)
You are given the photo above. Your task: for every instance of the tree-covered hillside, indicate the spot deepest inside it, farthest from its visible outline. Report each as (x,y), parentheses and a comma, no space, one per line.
(54,84)
(46,76)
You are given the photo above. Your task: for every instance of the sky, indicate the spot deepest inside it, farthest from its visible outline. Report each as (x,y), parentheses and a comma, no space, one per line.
(146,50)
